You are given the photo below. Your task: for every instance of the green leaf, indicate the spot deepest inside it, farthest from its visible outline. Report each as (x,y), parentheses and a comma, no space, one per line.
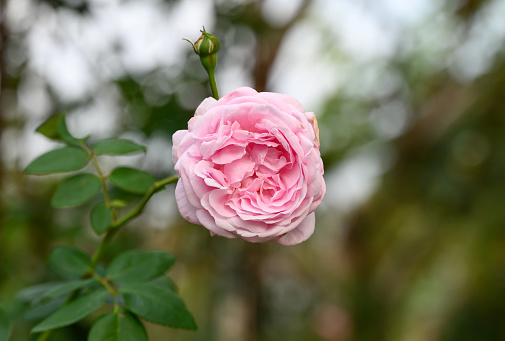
(100,217)
(73,311)
(164,281)
(39,311)
(56,129)
(76,190)
(69,261)
(66,159)
(66,288)
(117,327)
(157,304)
(132,180)
(34,292)
(116,147)
(4,326)
(139,266)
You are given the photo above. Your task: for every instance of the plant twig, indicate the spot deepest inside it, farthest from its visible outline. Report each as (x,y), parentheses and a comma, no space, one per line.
(140,207)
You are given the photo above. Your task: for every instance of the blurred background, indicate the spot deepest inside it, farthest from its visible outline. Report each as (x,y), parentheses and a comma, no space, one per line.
(410,98)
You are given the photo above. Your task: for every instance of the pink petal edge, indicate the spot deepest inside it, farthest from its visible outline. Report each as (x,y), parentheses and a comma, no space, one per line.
(187,211)
(301,233)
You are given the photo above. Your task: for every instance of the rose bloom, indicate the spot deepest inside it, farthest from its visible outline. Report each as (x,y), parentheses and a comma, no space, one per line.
(249,167)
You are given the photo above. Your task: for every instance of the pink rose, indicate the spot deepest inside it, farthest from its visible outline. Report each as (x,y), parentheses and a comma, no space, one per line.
(249,167)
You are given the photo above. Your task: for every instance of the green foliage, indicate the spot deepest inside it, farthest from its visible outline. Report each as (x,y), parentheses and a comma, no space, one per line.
(164,281)
(38,311)
(139,266)
(56,129)
(117,326)
(100,217)
(39,304)
(69,261)
(132,180)
(66,159)
(73,311)
(116,147)
(157,304)
(4,325)
(76,190)
(34,292)
(65,288)
(86,288)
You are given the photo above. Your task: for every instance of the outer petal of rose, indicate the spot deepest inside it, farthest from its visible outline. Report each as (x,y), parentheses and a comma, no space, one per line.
(301,233)
(205,105)
(208,221)
(176,141)
(236,95)
(318,200)
(191,183)
(187,211)
(252,237)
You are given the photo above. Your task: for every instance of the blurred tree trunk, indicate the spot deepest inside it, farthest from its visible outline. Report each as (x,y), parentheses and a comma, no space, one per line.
(269,42)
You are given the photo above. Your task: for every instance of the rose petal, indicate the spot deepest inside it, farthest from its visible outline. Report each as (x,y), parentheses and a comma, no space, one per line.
(301,233)
(228,154)
(211,176)
(187,211)
(208,221)
(237,95)
(239,169)
(207,103)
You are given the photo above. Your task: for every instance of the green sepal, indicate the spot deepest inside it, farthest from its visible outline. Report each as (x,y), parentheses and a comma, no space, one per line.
(139,266)
(73,311)
(66,159)
(69,261)
(100,218)
(132,180)
(114,146)
(117,326)
(76,190)
(157,304)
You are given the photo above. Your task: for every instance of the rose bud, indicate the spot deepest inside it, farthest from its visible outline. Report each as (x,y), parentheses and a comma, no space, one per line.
(249,167)
(206,47)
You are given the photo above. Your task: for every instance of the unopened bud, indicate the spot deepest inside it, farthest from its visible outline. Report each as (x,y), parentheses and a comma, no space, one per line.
(206,47)
(207,44)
